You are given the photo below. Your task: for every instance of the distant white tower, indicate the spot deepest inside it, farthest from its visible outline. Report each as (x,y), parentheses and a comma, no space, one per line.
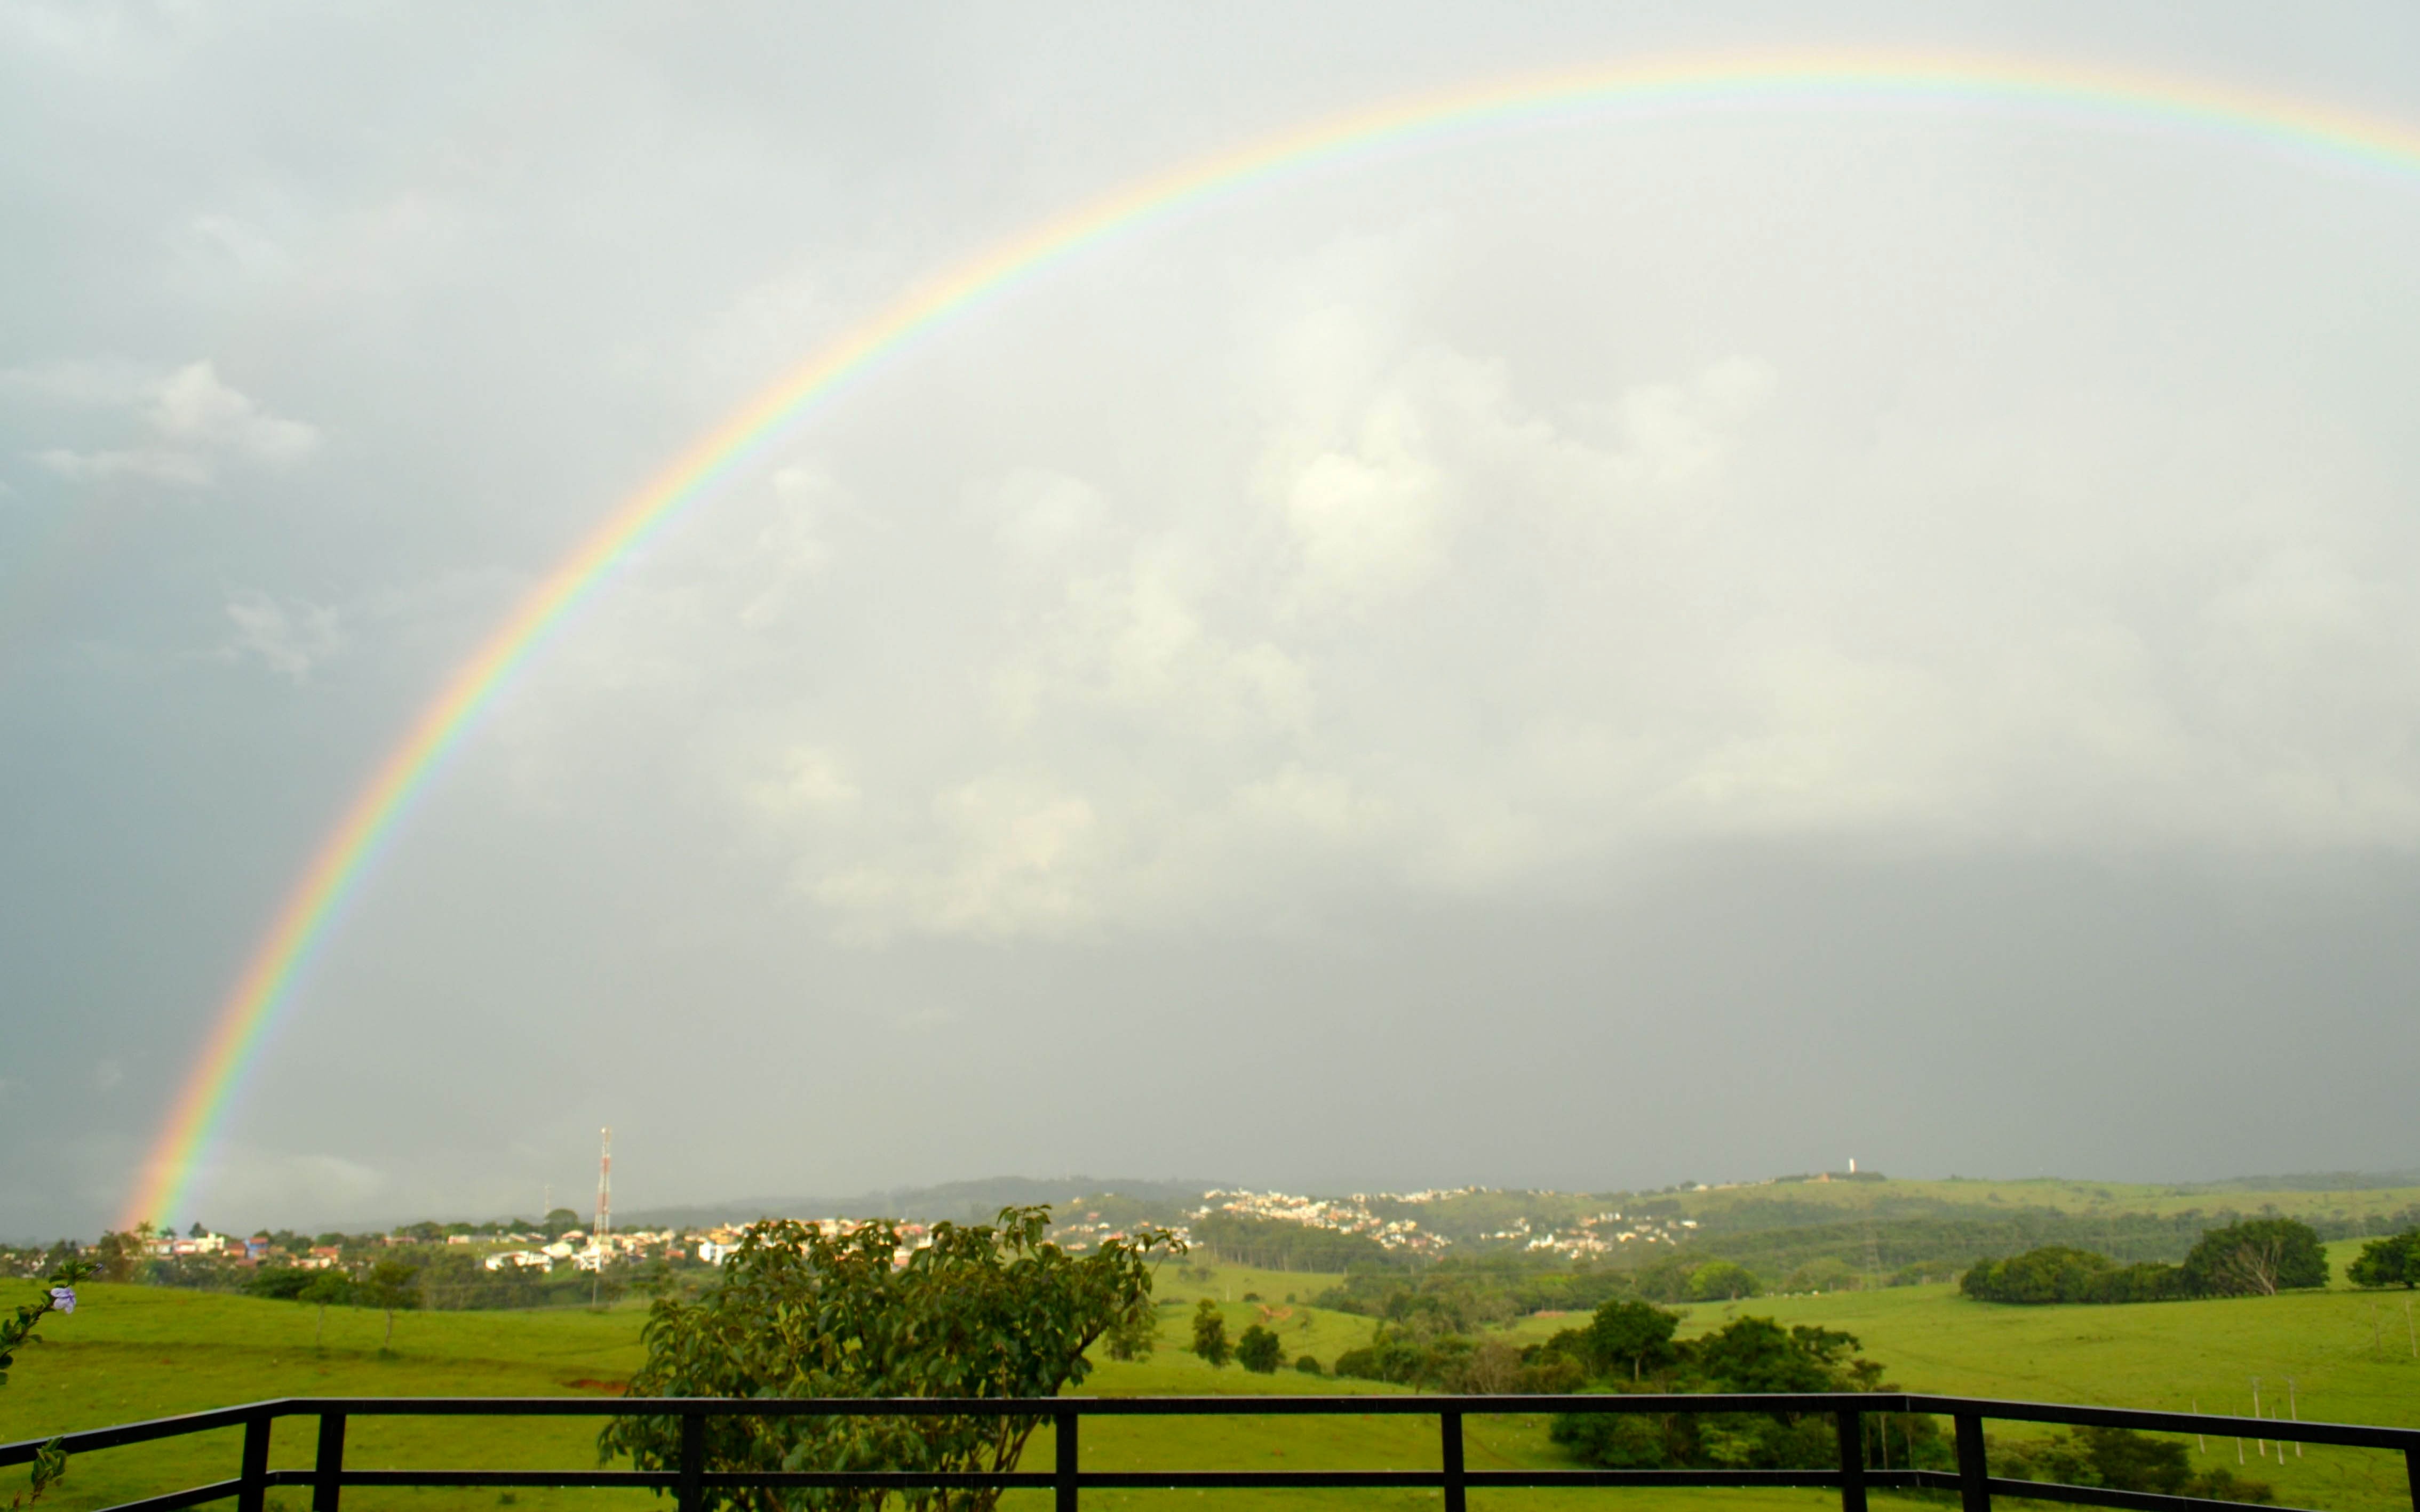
(605,1185)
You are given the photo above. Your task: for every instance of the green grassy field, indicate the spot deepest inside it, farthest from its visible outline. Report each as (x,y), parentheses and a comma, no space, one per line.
(141,1352)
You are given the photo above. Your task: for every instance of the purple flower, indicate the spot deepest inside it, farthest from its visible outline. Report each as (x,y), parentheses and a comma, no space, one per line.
(63,1298)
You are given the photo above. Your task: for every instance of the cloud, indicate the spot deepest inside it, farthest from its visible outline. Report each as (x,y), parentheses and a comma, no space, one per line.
(290,640)
(197,422)
(1004,857)
(228,241)
(1368,522)
(810,781)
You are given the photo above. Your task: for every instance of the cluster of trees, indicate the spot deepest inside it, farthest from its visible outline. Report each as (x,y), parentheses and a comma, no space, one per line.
(1277,1245)
(2256,1256)
(2388,1263)
(1258,1349)
(984,1311)
(1469,1292)
(2054,1274)
(408,1280)
(1629,1347)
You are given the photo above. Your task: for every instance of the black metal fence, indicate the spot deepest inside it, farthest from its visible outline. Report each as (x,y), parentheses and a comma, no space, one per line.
(1067,1479)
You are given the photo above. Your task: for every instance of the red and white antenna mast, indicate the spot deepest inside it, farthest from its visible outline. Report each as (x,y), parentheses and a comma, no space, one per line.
(605,1185)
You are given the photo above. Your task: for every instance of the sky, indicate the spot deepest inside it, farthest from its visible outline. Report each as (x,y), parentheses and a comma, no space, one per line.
(1635,648)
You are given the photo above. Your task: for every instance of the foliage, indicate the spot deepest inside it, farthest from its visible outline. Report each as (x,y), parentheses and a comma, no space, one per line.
(1750,1354)
(2055,1273)
(1134,1336)
(119,1255)
(1721,1280)
(2253,1256)
(991,1310)
(2259,1257)
(2388,1263)
(1259,1350)
(391,1286)
(1210,1335)
(1463,1293)
(1308,1365)
(1693,1277)
(1276,1244)
(58,1296)
(2124,1460)
(1629,1337)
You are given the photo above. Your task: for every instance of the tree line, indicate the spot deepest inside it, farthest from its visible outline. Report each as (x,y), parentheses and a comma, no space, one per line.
(2256,1256)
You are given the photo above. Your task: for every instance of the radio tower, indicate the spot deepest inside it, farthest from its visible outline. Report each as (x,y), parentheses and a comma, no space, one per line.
(605,1189)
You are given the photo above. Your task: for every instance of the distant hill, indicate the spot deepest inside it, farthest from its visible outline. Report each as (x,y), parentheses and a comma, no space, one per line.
(954,1201)
(1868,1224)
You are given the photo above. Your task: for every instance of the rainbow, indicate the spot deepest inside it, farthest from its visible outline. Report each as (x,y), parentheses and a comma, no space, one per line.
(2096,98)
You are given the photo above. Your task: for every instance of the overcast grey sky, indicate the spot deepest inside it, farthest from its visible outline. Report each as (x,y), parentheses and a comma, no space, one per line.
(1663,647)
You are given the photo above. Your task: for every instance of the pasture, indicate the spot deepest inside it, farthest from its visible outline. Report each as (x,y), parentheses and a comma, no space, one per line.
(140,1353)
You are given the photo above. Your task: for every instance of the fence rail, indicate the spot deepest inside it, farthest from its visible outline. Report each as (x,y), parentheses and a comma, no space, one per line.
(1067,1479)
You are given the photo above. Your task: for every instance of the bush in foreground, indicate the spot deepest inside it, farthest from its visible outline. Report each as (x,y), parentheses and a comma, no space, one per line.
(981,1311)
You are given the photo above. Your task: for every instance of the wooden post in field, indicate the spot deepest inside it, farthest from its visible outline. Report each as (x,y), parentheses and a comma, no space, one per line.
(2260,1444)
(2294,1412)
(2198,1438)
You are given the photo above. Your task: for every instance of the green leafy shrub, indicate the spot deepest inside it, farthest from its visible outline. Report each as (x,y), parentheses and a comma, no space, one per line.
(2056,1274)
(983,1311)
(2388,1263)
(1259,1350)
(1210,1335)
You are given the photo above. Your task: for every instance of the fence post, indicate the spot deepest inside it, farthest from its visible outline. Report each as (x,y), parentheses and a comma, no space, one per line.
(1450,1430)
(1852,1460)
(690,1495)
(1064,1470)
(1974,1472)
(2412,1473)
(328,1468)
(252,1488)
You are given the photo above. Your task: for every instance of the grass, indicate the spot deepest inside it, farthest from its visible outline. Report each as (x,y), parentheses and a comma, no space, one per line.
(141,1352)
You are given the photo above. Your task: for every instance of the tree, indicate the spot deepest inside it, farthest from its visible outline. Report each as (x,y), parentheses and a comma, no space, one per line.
(2394,1261)
(1210,1334)
(1632,1336)
(1748,1354)
(981,1311)
(1308,1365)
(561,1221)
(328,1286)
(120,1256)
(2259,1257)
(1722,1280)
(1259,1350)
(391,1286)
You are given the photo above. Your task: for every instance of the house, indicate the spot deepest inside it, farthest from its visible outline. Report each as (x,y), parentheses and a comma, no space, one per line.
(518,1259)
